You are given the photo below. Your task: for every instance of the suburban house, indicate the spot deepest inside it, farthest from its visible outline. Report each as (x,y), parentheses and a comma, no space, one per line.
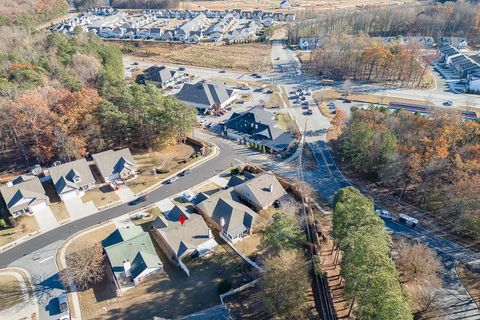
(23,195)
(456,42)
(260,192)
(285,4)
(161,76)
(131,255)
(308,44)
(227,213)
(257,126)
(447,52)
(203,95)
(72,179)
(181,237)
(115,165)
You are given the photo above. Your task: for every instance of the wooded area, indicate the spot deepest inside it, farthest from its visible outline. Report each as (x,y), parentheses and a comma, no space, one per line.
(29,13)
(460,18)
(434,161)
(371,279)
(61,96)
(361,58)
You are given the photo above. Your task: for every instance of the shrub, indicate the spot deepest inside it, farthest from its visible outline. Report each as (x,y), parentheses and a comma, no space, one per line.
(224,286)
(12,222)
(235,171)
(2,223)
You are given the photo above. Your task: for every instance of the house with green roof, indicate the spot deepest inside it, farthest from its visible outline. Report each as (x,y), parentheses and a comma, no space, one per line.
(131,255)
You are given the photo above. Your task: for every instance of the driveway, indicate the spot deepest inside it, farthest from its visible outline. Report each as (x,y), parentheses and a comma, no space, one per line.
(45,218)
(125,194)
(77,209)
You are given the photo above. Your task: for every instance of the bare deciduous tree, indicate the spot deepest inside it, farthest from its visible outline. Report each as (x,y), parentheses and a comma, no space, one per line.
(84,265)
(417,263)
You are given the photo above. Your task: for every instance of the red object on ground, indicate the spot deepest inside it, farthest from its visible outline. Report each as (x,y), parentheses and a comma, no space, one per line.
(182,220)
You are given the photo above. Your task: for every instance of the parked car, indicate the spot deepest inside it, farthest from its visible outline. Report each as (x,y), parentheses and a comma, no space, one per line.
(254,74)
(62,302)
(138,200)
(188,196)
(135,63)
(181,68)
(258,76)
(407,220)
(304,103)
(309,111)
(177,87)
(448,103)
(185,172)
(221,71)
(172,179)
(269,91)
(385,214)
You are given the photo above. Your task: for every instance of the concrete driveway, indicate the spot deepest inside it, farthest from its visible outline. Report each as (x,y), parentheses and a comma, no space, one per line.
(45,218)
(125,194)
(77,209)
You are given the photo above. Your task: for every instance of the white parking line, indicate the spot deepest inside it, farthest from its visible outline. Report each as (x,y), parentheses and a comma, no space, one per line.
(45,260)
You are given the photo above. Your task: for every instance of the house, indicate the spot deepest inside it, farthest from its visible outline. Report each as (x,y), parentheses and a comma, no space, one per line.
(456,42)
(308,44)
(155,33)
(131,255)
(24,195)
(448,52)
(161,76)
(260,192)
(115,165)
(285,4)
(425,42)
(142,33)
(257,126)
(178,239)
(227,213)
(72,179)
(195,37)
(204,95)
(167,36)
(289,17)
(216,36)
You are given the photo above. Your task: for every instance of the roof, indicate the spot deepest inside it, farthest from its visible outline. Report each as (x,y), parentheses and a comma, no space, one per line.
(159,74)
(132,244)
(63,175)
(205,94)
(30,190)
(22,178)
(227,205)
(262,190)
(112,162)
(182,238)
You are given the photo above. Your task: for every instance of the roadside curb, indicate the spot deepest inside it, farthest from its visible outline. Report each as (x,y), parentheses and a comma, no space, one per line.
(19,241)
(29,278)
(455,268)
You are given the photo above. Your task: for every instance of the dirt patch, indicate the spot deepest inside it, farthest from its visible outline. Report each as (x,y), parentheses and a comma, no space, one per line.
(59,211)
(285,122)
(26,225)
(10,291)
(241,57)
(249,246)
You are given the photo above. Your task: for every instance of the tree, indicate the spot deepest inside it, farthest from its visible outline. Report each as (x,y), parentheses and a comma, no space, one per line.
(417,262)
(84,265)
(85,67)
(284,285)
(282,234)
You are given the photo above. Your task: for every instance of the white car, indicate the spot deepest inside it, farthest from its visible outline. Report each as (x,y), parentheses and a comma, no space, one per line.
(385,214)
(172,179)
(188,196)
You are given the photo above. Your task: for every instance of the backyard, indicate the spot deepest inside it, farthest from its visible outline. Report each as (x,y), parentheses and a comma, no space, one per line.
(243,57)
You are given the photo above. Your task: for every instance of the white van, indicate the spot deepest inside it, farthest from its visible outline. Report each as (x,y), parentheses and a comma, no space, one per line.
(62,302)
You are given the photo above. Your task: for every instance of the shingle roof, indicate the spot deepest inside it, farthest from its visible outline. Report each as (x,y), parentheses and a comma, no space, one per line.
(28,189)
(206,94)
(63,175)
(262,190)
(227,205)
(159,74)
(182,238)
(111,162)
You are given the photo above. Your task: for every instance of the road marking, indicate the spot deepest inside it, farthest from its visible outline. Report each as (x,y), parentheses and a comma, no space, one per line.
(45,260)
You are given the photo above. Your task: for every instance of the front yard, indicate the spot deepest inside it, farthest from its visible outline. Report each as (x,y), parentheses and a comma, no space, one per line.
(26,225)
(101,197)
(56,205)
(169,160)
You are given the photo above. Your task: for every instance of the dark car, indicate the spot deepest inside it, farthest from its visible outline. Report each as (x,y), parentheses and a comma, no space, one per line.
(138,200)
(254,74)
(185,172)
(258,76)
(221,71)
(135,63)
(181,68)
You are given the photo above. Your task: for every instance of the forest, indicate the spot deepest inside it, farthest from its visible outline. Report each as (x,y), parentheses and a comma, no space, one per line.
(29,13)
(434,162)
(458,18)
(62,96)
(361,58)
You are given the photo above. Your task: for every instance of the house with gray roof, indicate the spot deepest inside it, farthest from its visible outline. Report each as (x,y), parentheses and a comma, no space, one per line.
(115,165)
(204,95)
(260,192)
(72,179)
(178,240)
(228,214)
(161,76)
(258,126)
(23,195)
(131,255)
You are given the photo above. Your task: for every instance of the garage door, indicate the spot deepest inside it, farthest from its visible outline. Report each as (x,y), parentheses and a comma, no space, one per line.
(69,195)
(39,206)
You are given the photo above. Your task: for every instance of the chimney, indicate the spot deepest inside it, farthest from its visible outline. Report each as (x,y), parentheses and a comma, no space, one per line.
(127,266)
(210,234)
(270,188)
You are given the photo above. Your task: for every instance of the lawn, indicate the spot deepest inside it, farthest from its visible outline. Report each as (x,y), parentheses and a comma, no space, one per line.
(171,294)
(59,211)
(285,122)
(208,189)
(241,57)
(101,197)
(90,238)
(171,158)
(249,246)
(26,225)
(10,291)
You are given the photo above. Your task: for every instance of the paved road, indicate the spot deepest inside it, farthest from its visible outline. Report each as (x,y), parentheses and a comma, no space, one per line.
(327,179)
(228,155)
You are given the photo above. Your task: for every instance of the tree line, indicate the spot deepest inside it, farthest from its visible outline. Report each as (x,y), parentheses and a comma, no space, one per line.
(371,279)
(62,96)
(360,58)
(434,161)
(28,14)
(458,18)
